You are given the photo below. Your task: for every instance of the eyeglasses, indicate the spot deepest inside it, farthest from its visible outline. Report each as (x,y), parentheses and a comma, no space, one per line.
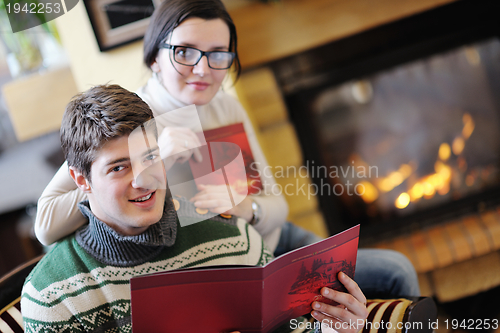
(189,56)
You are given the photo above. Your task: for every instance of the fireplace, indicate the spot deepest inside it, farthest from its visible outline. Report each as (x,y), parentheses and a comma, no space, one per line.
(400,125)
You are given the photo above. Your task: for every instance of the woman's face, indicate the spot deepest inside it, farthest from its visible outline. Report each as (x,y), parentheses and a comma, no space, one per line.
(193,84)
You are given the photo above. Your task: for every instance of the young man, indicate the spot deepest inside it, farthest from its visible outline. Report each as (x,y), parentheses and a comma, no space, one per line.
(82,284)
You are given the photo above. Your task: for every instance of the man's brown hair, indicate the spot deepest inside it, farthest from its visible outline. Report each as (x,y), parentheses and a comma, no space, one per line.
(97,116)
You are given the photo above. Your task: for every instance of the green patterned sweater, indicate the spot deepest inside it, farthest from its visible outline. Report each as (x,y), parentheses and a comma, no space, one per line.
(82,284)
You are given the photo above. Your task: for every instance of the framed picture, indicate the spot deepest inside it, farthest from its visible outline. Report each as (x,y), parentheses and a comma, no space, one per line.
(118,22)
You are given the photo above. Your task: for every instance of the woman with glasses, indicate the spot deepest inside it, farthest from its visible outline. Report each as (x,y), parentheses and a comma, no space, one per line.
(190,47)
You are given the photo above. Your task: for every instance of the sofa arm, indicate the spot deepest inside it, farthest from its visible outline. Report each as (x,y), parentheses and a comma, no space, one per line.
(403,315)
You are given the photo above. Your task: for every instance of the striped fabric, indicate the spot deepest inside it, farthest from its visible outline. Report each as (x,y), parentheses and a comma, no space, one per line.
(385,316)
(11,320)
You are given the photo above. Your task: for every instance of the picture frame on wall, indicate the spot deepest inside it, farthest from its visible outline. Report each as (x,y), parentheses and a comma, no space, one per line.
(119,22)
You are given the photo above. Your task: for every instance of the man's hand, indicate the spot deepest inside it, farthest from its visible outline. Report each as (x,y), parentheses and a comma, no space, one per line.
(347,317)
(216,199)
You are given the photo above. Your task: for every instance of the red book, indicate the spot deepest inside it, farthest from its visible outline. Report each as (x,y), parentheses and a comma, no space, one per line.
(242,298)
(227,159)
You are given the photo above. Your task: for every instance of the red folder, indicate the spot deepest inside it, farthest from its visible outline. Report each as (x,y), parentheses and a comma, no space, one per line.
(242,298)
(224,144)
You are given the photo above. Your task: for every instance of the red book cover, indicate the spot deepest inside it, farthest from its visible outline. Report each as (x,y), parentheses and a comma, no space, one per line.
(242,298)
(227,159)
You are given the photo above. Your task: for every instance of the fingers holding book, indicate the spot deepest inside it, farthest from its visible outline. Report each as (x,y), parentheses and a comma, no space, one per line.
(350,313)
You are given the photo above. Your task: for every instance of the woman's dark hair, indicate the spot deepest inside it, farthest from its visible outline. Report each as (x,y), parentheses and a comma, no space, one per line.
(171,13)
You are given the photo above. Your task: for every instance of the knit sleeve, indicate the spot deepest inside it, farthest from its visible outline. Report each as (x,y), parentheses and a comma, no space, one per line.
(37,317)
(57,213)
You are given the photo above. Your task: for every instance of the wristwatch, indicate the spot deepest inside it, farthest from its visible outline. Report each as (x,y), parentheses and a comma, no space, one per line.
(257,214)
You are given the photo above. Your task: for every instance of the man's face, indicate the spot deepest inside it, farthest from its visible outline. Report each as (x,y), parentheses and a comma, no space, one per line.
(127,203)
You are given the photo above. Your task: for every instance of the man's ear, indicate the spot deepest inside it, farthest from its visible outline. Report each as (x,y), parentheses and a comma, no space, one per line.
(80,180)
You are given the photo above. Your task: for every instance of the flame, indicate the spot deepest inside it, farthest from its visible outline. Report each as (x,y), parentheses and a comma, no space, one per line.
(428,185)
(395,178)
(444,151)
(402,201)
(406,170)
(458,145)
(429,190)
(436,180)
(370,193)
(444,170)
(445,189)
(385,185)
(416,192)
(468,126)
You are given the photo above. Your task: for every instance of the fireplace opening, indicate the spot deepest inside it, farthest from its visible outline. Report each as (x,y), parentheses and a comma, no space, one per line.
(413,137)
(400,125)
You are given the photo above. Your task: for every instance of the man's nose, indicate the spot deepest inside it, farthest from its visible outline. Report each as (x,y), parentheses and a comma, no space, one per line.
(145,180)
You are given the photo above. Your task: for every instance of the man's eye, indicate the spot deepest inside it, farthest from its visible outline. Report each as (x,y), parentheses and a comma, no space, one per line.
(151,157)
(118,168)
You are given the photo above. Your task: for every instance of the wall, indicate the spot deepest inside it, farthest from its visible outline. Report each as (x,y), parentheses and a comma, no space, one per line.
(122,66)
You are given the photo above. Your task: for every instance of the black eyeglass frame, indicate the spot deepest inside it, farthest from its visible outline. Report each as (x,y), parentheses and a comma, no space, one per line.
(202,53)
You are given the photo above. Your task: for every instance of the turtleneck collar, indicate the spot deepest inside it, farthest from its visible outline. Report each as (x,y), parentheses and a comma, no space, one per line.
(160,95)
(111,248)
(168,111)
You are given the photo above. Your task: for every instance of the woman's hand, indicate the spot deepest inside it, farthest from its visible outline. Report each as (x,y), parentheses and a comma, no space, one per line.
(349,316)
(216,199)
(178,144)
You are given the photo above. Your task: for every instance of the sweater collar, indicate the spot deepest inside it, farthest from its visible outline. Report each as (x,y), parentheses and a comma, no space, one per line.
(109,247)
(158,97)
(168,111)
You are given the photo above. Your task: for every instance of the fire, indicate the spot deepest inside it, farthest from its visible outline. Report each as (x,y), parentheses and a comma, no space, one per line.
(395,178)
(428,185)
(402,201)
(444,151)
(370,193)
(416,192)
(429,190)
(468,126)
(445,189)
(444,170)
(458,145)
